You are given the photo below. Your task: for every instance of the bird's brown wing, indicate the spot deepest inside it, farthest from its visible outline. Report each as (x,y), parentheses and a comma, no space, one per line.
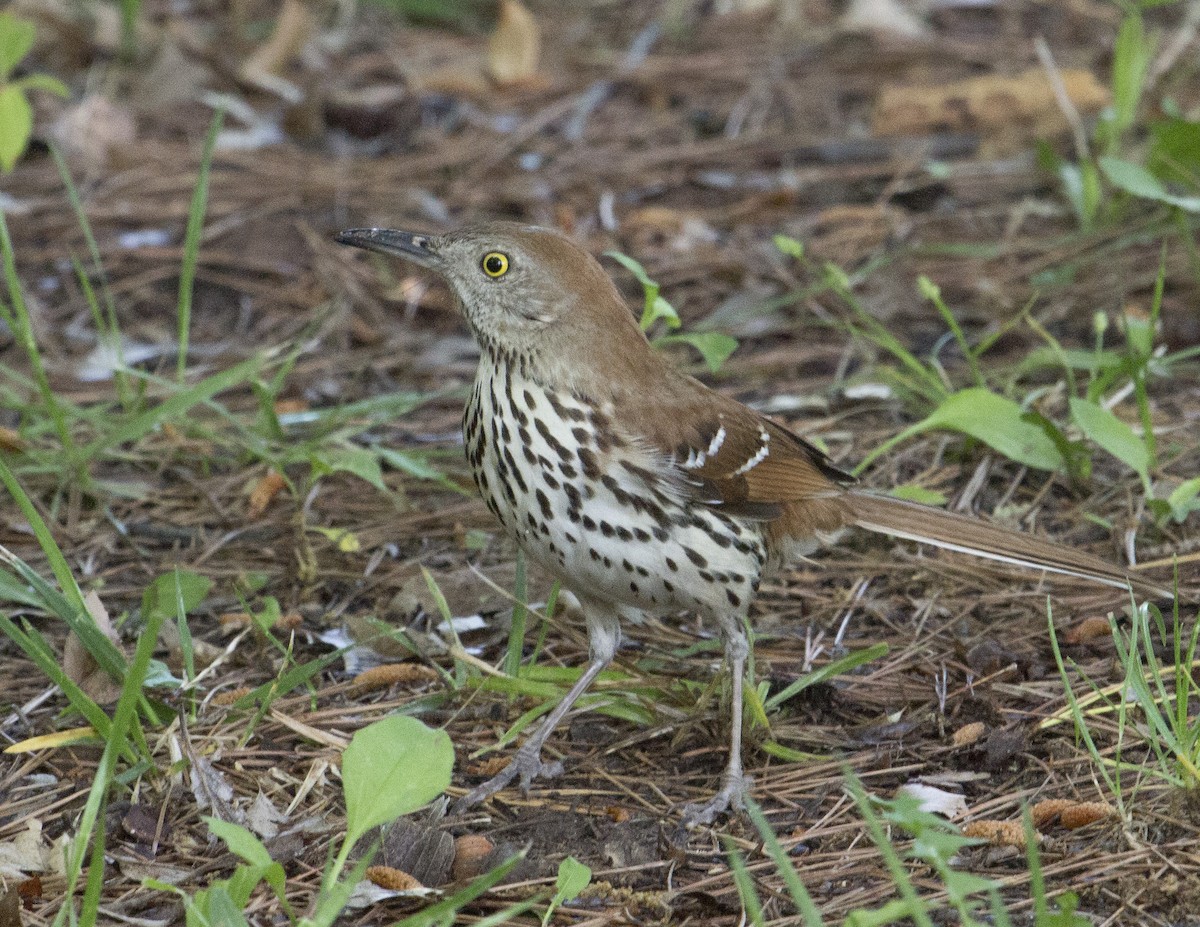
(751,467)
(747,465)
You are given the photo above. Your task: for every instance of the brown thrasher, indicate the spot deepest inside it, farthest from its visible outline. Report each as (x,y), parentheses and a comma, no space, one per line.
(636,485)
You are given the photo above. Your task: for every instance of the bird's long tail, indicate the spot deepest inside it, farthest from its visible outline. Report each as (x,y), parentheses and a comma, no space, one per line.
(915,522)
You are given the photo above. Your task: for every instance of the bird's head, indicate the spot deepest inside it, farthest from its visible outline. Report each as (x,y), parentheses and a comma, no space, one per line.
(526,291)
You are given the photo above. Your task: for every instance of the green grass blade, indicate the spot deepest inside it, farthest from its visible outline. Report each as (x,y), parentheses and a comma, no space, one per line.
(191,243)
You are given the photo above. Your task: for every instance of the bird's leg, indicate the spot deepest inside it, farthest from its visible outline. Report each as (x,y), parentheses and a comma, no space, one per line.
(735,784)
(604,633)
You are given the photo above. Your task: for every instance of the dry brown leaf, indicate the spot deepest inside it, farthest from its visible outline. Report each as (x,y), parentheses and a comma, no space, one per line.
(1084,813)
(515,46)
(293,29)
(264,491)
(471,852)
(390,674)
(968,734)
(997,833)
(11,441)
(81,667)
(1021,106)
(94,131)
(1090,629)
(1044,812)
(618,813)
(397,880)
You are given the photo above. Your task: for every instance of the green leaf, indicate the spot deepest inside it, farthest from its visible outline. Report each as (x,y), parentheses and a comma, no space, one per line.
(1112,434)
(1183,500)
(714,347)
(16,39)
(997,422)
(163,596)
(42,82)
(788,246)
(1137,180)
(1176,150)
(408,463)
(359,461)
(655,307)
(241,842)
(912,492)
(390,768)
(16,125)
(573,877)
(828,671)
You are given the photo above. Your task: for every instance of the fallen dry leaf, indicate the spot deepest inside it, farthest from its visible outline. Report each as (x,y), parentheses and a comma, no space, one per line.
(264,491)
(1018,108)
(81,667)
(968,734)
(390,674)
(94,131)
(11,441)
(397,880)
(515,46)
(293,29)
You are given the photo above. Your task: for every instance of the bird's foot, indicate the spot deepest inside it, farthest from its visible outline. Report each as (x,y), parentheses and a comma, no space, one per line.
(733,794)
(526,765)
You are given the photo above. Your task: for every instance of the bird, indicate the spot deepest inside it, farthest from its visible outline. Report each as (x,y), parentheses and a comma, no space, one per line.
(641,489)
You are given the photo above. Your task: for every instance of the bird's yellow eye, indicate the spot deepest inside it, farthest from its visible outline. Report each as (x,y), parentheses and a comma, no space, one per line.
(495,264)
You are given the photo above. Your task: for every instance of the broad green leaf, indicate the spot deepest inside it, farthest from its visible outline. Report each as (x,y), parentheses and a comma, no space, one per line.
(573,877)
(997,422)
(220,907)
(1176,150)
(241,842)
(1131,57)
(714,347)
(1112,434)
(1135,179)
(358,461)
(16,39)
(408,463)
(1183,500)
(164,596)
(16,125)
(390,768)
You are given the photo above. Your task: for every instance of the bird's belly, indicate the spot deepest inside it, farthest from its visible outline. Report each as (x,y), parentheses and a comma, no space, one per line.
(562,499)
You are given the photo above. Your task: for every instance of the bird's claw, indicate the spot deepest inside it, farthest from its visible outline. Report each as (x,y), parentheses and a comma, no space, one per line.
(525,766)
(733,794)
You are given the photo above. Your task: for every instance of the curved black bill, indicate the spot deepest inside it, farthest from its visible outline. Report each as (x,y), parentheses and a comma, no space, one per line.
(389,241)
